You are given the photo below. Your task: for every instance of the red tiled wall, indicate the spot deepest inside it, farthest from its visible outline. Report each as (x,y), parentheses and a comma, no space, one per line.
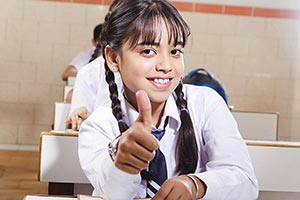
(214,8)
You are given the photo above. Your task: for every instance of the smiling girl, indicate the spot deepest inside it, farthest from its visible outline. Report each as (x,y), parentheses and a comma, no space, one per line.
(161,139)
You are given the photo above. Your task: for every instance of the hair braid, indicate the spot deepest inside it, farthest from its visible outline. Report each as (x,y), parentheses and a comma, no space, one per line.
(97,51)
(115,102)
(186,147)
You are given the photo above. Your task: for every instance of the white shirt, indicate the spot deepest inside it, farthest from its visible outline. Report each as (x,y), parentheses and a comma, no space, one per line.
(224,163)
(82,58)
(91,88)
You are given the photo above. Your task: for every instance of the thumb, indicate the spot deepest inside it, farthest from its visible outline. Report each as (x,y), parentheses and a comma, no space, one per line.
(144,106)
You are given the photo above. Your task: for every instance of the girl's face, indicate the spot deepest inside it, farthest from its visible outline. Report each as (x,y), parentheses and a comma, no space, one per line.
(155,68)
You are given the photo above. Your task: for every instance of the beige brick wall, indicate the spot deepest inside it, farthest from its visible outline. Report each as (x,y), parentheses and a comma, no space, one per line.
(257,60)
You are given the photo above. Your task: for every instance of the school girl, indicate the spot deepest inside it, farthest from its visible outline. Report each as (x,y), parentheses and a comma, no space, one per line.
(160,138)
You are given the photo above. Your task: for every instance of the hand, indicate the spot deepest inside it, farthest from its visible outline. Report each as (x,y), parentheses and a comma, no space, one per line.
(77,117)
(176,188)
(137,145)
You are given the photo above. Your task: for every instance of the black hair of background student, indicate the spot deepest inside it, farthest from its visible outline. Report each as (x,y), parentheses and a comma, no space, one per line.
(202,77)
(118,29)
(98,37)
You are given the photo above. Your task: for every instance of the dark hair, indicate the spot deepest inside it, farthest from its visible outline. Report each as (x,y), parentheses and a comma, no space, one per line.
(137,19)
(202,77)
(97,32)
(98,50)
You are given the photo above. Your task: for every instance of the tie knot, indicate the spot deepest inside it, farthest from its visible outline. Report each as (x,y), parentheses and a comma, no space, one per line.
(158,133)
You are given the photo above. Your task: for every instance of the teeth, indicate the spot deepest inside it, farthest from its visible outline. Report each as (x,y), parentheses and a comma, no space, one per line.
(161,81)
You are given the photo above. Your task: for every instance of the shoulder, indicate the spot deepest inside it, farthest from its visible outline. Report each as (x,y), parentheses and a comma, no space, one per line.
(202,98)
(198,92)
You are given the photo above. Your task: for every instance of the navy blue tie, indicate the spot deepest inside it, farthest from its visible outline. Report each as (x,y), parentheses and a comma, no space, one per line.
(157,168)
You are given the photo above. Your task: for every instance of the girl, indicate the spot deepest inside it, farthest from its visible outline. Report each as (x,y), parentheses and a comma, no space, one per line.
(161,139)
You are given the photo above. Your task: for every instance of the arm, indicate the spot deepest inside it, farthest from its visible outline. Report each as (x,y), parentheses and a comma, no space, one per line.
(70,71)
(108,181)
(224,168)
(83,99)
(228,170)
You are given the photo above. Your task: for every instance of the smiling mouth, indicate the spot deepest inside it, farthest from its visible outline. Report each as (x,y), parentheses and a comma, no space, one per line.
(160,80)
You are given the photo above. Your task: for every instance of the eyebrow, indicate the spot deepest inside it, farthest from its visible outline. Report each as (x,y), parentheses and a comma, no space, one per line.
(152,43)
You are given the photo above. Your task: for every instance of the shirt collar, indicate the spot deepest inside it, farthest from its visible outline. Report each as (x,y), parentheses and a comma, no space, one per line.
(170,111)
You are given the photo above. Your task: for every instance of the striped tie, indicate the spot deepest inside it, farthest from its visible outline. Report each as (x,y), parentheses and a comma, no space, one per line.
(157,168)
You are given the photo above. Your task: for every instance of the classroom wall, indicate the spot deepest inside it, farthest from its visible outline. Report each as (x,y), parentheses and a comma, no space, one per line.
(252,48)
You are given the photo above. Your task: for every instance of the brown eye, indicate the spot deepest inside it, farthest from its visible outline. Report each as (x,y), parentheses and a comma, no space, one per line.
(176,52)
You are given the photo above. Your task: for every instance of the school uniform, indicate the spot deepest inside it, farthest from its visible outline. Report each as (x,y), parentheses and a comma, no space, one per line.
(82,58)
(90,88)
(224,164)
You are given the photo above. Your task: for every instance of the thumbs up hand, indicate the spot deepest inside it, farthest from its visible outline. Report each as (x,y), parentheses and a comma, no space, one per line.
(137,145)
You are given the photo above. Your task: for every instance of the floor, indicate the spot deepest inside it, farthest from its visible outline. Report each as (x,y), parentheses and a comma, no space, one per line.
(19,175)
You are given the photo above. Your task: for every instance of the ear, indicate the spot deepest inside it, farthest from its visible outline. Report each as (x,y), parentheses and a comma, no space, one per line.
(111,59)
(94,43)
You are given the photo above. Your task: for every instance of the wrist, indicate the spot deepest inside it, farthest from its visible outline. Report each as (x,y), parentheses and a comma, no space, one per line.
(113,148)
(193,179)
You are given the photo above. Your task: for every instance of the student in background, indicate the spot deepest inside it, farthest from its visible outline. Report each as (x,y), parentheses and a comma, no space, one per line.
(160,138)
(82,58)
(91,89)
(202,77)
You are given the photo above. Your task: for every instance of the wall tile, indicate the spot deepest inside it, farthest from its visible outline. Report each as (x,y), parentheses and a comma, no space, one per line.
(16,112)
(18,30)
(56,94)
(36,52)
(233,85)
(251,26)
(285,88)
(222,24)
(81,34)
(288,48)
(35,93)
(219,64)
(10,50)
(294,129)
(260,86)
(50,74)
(194,60)
(263,46)
(70,13)
(282,28)
(206,44)
(17,72)
(12,9)
(197,26)
(43,114)
(3,26)
(30,134)
(9,92)
(8,133)
(284,133)
(95,14)
(39,11)
(234,46)
(57,33)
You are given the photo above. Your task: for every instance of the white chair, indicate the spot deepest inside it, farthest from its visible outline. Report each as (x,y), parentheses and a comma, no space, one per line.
(59,164)
(61,113)
(257,126)
(276,165)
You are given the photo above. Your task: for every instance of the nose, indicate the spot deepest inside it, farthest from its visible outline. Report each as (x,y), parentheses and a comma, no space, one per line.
(164,63)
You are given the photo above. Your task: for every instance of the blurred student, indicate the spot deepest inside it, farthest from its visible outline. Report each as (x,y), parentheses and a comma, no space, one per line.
(91,89)
(82,58)
(160,138)
(202,77)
